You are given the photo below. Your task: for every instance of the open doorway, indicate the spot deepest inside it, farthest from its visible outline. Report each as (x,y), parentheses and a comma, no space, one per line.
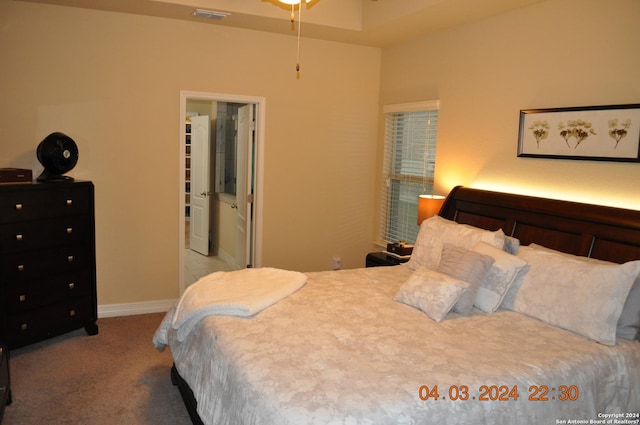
(221,153)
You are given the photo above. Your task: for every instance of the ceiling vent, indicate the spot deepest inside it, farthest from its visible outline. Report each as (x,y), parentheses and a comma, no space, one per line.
(210,14)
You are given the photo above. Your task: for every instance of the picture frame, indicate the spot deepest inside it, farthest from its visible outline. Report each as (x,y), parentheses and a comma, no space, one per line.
(596,133)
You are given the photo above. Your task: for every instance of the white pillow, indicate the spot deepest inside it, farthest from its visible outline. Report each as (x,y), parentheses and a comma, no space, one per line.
(583,297)
(629,323)
(432,292)
(436,231)
(469,266)
(505,269)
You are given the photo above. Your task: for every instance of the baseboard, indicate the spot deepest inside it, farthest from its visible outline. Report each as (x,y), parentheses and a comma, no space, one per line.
(130,309)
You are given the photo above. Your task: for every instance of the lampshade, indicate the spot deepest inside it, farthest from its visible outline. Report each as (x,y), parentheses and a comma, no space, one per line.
(292,1)
(428,206)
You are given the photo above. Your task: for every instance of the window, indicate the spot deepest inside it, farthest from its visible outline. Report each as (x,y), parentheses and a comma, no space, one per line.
(409,167)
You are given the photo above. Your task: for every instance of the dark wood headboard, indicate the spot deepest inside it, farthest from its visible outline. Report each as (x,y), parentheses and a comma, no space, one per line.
(606,233)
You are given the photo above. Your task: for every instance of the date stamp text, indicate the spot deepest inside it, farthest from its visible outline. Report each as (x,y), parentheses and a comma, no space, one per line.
(499,393)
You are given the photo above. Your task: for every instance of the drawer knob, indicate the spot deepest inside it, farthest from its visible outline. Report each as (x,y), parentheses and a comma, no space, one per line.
(18,237)
(22,298)
(18,207)
(20,267)
(69,230)
(24,327)
(72,313)
(72,285)
(70,258)
(69,202)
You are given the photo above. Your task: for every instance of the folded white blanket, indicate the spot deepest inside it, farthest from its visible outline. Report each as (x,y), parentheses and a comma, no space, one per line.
(240,293)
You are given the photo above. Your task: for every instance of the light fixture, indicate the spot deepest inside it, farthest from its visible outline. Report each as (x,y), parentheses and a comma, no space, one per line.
(428,206)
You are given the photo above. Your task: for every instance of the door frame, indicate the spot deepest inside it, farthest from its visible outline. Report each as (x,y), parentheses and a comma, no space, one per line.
(257,176)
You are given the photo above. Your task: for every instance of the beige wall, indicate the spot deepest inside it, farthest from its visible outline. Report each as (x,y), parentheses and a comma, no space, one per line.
(557,53)
(112,82)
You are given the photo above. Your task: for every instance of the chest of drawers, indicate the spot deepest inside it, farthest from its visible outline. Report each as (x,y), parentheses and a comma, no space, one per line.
(47,261)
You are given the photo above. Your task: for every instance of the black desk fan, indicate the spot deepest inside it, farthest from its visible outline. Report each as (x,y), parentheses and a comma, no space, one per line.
(58,154)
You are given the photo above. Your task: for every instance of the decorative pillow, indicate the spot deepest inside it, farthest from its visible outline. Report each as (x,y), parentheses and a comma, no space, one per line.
(466,265)
(583,297)
(501,275)
(432,292)
(436,231)
(629,323)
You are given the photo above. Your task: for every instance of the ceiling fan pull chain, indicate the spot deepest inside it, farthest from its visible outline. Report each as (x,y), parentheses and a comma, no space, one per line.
(299,26)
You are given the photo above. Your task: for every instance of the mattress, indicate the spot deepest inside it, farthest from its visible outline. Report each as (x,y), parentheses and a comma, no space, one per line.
(342,351)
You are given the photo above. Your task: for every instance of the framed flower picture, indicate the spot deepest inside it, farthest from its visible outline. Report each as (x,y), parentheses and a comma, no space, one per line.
(598,133)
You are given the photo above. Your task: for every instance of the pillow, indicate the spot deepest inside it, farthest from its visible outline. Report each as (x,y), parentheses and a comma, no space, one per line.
(432,292)
(466,265)
(436,231)
(582,297)
(629,323)
(501,275)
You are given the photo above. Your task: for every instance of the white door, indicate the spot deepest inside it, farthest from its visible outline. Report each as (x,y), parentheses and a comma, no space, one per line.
(243,185)
(200,182)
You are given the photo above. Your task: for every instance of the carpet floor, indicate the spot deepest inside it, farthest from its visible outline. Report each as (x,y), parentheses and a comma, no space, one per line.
(115,377)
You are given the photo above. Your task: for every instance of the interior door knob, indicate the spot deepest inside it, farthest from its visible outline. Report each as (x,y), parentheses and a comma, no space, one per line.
(234,205)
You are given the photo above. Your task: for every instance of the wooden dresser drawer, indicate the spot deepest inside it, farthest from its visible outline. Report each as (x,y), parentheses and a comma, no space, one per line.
(29,265)
(25,296)
(29,235)
(37,201)
(49,321)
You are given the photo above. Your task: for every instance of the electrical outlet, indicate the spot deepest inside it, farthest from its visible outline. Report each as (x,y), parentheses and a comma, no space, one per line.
(337,263)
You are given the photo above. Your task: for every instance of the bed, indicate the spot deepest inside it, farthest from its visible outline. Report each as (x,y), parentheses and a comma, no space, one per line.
(512,308)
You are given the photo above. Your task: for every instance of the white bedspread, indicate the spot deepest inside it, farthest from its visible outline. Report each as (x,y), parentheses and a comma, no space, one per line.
(341,351)
(242,293)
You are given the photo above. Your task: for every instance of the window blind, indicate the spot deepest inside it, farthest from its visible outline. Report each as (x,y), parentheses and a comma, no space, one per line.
(409,167)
